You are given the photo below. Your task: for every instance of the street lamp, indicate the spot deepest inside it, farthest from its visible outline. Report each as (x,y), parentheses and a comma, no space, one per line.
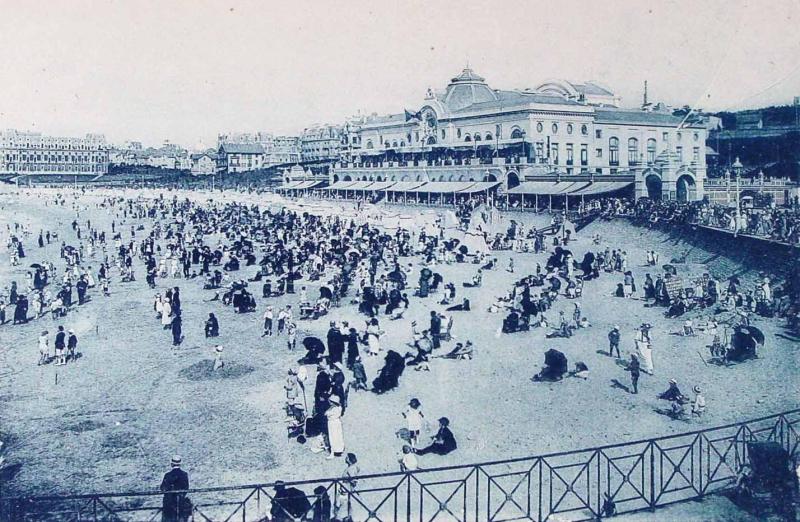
(737,169)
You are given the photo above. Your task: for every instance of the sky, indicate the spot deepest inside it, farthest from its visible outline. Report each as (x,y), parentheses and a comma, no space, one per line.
(187,70)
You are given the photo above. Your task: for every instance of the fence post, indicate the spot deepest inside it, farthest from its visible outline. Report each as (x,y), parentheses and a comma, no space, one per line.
(652,475)
(477,493)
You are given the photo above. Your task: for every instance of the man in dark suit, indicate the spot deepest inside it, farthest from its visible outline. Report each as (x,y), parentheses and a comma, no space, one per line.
(335,344)
(176,507)
(435,329)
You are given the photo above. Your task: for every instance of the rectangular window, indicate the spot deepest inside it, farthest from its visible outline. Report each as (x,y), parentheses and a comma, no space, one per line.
(598,133)
(539,149)
(696,154)
(598,153)
(570,154)
(665,136)
(679,152)
(554,153)
(584,154)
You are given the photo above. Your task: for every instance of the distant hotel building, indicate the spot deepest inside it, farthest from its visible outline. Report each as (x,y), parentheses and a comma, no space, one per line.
(241,152)
(31,153)
(472,132)
(321,143)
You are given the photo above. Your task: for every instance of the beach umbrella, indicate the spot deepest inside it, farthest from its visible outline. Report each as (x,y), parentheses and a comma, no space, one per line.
(314,344)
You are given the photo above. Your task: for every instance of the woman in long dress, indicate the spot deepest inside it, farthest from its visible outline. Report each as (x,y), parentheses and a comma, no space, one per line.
(373,337)
(335,432)
(166,312)
(645,348)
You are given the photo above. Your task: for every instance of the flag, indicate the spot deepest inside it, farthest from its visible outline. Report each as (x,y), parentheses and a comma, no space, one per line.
(412,115)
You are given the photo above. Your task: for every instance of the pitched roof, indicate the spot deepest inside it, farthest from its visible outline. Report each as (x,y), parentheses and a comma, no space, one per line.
(639,117)
(242,148)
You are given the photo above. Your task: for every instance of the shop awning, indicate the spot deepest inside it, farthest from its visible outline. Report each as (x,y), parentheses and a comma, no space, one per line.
(479,186)
(443,187)
(381,185)
(290,186)
(340,185)
(361,185)
(405,186)
(547,188)
(301,185)
(602,187)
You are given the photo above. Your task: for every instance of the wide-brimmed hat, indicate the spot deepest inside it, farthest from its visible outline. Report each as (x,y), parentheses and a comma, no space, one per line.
(697,389)
(673,381)
(444,421)
(175,461)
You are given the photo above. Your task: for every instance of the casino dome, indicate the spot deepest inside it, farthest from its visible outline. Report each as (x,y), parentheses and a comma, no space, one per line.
(467,89)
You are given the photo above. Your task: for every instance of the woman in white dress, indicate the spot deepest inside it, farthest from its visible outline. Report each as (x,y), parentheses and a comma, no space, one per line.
(373,337)
(166,312)
(335,431)
(644,347)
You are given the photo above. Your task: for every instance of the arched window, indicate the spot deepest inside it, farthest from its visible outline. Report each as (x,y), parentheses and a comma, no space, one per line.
(394,144)
(458,134)
(468,138)
(402,143)
(369,144)
(488,136)
(387,144)
(633,151)
(477,137)
(651,150)
(516,134)
(613,151)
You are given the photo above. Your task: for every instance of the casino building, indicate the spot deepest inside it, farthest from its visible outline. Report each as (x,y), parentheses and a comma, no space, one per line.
(557,138)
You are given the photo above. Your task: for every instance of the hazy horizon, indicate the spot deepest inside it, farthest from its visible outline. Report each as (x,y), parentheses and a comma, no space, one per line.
(189,70)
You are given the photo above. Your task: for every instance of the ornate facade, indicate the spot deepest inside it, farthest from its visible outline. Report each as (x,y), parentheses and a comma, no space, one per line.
(472,132)
(31,153)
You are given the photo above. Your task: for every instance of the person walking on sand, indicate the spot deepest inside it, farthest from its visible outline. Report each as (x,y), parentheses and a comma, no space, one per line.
(218,362)
(44,348)
(644,348)
(633,367)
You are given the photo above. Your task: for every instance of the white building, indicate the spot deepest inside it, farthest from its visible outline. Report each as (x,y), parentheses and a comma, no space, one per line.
(31,153)
(471,132)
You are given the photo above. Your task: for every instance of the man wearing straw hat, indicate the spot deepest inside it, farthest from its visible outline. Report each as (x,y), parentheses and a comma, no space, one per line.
(175,507)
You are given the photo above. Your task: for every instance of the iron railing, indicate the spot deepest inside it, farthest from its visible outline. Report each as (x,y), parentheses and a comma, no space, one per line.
(640,475)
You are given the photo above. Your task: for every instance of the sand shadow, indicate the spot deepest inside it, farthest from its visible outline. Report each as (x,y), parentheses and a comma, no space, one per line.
(618,385)
(204,371)
(8,473)
(84,426)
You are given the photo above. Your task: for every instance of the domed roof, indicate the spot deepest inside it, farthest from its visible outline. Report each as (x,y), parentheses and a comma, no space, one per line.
(467,89)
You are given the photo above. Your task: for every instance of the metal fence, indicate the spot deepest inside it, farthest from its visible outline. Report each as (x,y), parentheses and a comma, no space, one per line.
(641,475)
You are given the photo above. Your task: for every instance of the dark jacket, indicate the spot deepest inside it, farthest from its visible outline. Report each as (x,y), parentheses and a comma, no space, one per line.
(174,480)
